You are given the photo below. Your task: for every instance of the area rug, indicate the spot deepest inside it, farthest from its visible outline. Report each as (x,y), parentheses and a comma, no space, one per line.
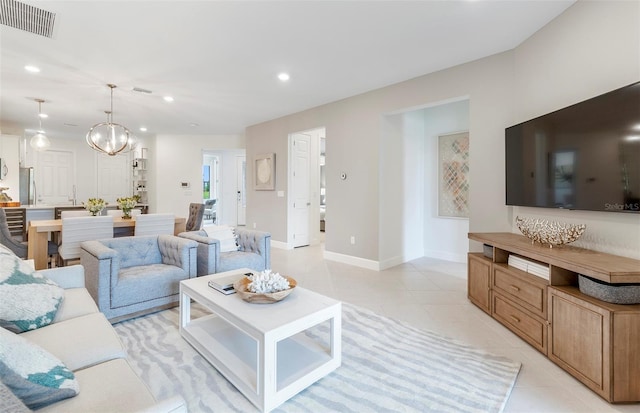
(387,366)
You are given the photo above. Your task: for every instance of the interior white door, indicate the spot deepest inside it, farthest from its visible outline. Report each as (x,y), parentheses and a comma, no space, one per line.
(300,188)
(54,177)
(241,165)
(114,178)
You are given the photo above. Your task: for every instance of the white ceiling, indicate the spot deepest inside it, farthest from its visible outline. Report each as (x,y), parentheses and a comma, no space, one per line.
(219,59)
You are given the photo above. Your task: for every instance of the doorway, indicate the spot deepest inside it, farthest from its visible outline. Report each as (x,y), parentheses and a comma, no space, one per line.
(226,173)
(210,188)
(323,186)
(409,221)
(303,214)
(114,177)
(55,177)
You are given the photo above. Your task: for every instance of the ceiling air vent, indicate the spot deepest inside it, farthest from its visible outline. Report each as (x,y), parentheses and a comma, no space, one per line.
(28,18)
(141,90)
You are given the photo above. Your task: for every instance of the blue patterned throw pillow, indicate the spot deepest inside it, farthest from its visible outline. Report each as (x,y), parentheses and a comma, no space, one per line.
(33,374)
(28,300)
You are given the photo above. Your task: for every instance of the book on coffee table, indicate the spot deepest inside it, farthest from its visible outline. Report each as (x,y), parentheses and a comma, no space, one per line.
(225,284)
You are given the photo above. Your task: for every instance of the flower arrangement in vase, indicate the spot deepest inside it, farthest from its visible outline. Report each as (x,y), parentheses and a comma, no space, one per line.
(95,205)
(126,204)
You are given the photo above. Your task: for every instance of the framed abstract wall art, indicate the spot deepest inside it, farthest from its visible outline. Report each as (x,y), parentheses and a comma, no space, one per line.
(265,172)
(453,175)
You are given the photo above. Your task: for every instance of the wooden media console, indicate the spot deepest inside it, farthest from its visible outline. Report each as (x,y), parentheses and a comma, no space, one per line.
(595,341)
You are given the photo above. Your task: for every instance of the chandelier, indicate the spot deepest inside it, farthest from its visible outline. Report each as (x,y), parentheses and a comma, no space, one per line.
(39,141)
(109,137)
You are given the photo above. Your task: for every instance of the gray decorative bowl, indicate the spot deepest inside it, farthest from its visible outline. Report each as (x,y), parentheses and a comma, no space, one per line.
(611,293)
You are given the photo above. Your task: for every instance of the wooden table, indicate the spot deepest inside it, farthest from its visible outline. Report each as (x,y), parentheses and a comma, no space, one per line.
(39,235)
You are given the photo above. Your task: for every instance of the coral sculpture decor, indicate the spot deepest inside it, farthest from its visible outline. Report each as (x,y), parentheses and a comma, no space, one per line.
(549,232)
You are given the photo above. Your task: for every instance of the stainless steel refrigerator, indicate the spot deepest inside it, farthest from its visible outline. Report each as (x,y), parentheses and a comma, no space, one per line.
(27,186)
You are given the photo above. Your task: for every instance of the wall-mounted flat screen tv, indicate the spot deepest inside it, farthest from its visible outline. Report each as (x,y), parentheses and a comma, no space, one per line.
(584,157)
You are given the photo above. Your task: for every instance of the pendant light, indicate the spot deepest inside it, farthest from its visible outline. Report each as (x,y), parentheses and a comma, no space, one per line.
(108,137)
(39,141)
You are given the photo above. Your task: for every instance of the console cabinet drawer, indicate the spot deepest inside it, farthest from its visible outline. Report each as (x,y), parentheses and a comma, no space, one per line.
(529,328)
(527,290)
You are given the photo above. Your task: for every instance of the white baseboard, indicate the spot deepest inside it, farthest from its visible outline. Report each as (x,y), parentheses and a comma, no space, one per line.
(355,261)
(378,265)
(391,262)
(447,256)
(281,245)
(400,259)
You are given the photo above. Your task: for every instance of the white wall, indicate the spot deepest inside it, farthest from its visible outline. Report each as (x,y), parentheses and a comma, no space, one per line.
(177,159)
(354,142)
(401,188)
(409,186)
(86,161)
(172,159)
(593,47)
(444,238)
(9,149)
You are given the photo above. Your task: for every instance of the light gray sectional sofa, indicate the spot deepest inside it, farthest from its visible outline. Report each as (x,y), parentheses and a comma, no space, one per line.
(83,339)
(254,251)
(130,276)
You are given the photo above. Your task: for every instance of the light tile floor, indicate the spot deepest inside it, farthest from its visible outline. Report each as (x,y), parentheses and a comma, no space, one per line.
(431,294)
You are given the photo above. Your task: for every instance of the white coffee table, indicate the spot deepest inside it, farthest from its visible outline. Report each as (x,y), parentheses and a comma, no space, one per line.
(261,348)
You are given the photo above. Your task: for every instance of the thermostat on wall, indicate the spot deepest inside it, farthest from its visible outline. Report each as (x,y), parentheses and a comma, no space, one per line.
(185,185)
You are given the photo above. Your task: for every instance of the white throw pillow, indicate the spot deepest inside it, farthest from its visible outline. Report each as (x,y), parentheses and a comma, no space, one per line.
(33,374)
(28,300)
(225,234)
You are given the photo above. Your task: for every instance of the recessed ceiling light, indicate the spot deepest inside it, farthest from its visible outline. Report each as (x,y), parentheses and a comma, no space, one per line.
(168,99)
(636,127)
(632,138)
(43,115)
(32,69)
(283,77)
(193,125)
(143,129)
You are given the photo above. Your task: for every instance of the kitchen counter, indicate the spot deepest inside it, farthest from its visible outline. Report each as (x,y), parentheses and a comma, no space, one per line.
(45,211)
(52,207)
(43,206)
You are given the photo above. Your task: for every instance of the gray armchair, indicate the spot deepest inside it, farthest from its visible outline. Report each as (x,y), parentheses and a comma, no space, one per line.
(19,248)
(6,239)
(254,251)
(196,212)
(130,276)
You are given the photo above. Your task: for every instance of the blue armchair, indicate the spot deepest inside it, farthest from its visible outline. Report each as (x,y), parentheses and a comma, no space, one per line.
(254,251)
(130,276)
